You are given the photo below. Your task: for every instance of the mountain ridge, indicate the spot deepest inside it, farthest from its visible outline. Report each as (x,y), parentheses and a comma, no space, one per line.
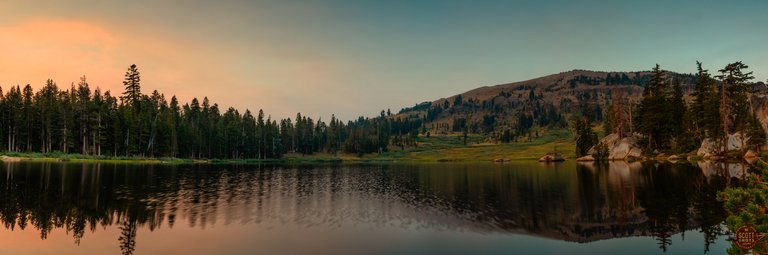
(572,72)
(546,101)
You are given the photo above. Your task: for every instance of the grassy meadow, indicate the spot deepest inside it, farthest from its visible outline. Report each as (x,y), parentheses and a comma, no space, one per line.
(451,148)
(435,148)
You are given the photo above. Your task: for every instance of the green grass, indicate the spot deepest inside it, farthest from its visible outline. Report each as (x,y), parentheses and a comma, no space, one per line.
(63,157)
(451,148)
(431,149)
(72,157)
(445,148)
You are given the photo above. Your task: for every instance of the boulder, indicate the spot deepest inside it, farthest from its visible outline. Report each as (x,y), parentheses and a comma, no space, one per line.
(551,158)
(709,147)
(706,149)
(586,158)
(635,152)
(609,141)
(760,107)
(623,149)
(620,151)
(750,154)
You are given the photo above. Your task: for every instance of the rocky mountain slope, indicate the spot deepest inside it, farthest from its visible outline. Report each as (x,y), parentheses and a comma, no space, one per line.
(515,109)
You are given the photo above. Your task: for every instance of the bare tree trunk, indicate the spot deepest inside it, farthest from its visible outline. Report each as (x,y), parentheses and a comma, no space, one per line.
(84,141)
(99,136)
(724,118)
(631,132)
(151,143)
(93,142)
(127,137)
(42,141)
(65,139)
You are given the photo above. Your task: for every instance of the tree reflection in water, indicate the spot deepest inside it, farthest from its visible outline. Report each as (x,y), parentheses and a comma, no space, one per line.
(127,237)
(571,202)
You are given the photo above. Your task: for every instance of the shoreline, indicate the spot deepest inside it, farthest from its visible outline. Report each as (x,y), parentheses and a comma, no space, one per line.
(306,159)
(429,149)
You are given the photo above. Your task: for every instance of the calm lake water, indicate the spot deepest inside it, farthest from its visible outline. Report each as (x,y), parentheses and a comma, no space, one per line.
(517,208)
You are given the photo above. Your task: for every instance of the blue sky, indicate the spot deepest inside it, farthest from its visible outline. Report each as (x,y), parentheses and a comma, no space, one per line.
(357,57)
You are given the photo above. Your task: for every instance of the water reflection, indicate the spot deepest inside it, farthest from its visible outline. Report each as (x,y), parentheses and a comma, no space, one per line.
(571,202)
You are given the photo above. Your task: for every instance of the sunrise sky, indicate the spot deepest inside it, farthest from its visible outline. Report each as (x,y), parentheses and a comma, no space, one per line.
(357,57)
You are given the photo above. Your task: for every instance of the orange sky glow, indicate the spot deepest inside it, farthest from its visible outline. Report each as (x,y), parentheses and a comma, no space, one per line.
(34,50)
(356,58)
(64,50)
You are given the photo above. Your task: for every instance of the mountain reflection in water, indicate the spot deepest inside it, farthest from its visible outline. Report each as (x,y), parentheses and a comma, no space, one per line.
(569,201)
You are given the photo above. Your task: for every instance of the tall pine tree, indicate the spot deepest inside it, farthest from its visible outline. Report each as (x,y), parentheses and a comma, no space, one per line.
(652,111)
(132,83)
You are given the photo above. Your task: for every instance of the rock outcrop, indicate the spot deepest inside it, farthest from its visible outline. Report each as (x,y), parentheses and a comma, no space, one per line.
(760,107)
(586,158)
(620,149)
(635,152)
(551,158)
(709,147)
(750,154)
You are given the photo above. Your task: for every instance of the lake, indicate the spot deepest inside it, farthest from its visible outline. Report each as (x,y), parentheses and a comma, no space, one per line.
(441,208)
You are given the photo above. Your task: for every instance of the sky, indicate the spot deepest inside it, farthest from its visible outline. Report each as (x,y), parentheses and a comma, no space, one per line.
(353,58)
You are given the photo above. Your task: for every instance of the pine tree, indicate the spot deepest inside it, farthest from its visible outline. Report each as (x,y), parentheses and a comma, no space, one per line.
(29,115)
(734,105)
(82,113)
(47,103)
(260,134)
(705,106)
(13,103)
(97,127)
(176,120)
(676,110)
(584,136)
(653,112)
(754,132)
(132,83)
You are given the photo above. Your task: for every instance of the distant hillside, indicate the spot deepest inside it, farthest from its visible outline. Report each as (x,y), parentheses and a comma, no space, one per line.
(511,110)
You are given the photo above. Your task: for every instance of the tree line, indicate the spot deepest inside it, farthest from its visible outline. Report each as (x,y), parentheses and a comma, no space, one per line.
(718,106)
(95,122)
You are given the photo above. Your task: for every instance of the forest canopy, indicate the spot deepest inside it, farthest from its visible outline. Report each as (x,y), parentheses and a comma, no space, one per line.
(94,122)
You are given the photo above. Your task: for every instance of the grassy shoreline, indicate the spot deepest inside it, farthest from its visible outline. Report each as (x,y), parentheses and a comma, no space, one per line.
(438,148)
